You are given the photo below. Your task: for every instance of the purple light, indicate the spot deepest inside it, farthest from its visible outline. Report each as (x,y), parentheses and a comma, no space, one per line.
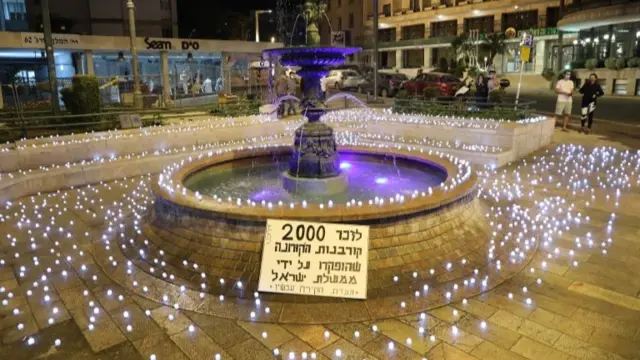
(382,180)
(345,165)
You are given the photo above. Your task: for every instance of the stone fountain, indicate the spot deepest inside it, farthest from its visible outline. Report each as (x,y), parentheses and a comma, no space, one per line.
(314,166)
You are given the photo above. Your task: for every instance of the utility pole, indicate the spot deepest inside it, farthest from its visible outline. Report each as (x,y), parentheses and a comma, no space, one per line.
(375,50)
(137,94)
(51,61)
(560,39)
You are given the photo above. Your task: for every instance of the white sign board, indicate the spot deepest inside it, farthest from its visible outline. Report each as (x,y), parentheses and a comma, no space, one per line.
(337,38)
(59,40)
(318,259)
(527,40)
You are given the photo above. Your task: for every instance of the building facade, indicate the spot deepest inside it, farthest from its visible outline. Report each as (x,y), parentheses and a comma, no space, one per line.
(167,66)
(607,29)
(92,17)
(417,34)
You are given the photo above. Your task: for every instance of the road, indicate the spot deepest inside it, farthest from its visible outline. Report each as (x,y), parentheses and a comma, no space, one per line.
(613,108)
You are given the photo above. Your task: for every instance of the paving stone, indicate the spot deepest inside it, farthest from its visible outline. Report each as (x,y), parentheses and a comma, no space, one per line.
(224,332)
(490,351)
(562,324)
(197,345)
(276,334)
(105,334)
(348,350)
(141,324)
(447,352)
(495,333)
(598,320)
(534,350)
(399,332)
(463,340)
(159,345)
(162,317)
(299,349)
(538,332)
(583,350)
(507,320)
(347,331)
(380,349)
(313,335)
(476,308)
(610,342)
(250,349)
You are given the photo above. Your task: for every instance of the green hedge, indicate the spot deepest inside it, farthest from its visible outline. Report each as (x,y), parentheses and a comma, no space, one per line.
(83,97)
(240,108)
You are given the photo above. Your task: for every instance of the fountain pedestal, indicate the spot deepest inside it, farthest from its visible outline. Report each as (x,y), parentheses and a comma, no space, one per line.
(314,166)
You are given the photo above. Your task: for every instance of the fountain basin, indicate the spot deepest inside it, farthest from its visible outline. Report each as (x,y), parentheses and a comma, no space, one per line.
(186,202)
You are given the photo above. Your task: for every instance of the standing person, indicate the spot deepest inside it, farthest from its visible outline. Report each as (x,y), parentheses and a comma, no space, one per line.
(482,89)
(292,87)
(323,88)
(418,73)
(590,91)
(564,89)
(491,83)
(282,87)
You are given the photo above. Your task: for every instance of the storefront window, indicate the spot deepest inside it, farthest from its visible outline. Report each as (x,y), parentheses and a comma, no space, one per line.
(511,60)
(413,58)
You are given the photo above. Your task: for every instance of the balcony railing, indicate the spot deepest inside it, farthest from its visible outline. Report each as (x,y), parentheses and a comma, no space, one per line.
(441,37)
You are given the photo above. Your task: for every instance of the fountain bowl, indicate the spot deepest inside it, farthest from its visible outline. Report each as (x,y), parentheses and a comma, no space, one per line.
(312,56)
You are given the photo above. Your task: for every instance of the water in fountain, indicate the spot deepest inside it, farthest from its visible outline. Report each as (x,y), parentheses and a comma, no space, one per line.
(343,95)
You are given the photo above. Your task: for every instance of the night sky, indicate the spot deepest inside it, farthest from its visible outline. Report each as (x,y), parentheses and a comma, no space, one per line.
(233,19)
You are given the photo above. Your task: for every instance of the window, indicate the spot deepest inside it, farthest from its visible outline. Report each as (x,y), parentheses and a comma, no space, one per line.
(414,5)
(413,58)
(483,24)
(444,28)
(413,32)
(339,23)
(165,5)
(14,10)
(386,9)
(553,15)
(387,35)
(350,20)
(522,20)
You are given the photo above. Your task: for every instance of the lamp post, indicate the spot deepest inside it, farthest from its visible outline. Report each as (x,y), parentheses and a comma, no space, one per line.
(257,15)
(375,50)
(51,63)
(137,94)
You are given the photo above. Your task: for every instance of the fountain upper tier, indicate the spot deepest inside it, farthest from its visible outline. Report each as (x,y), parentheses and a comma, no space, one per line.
(312,56)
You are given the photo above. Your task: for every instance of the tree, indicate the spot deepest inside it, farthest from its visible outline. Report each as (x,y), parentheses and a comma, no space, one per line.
(494,44)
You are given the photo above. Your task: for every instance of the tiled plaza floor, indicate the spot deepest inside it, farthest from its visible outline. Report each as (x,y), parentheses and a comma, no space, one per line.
(579,298)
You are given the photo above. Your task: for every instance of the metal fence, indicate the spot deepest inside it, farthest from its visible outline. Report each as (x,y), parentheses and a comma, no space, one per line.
(16,124)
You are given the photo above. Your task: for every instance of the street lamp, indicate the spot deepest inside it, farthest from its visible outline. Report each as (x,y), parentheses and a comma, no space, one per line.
(137,94)
(258,12)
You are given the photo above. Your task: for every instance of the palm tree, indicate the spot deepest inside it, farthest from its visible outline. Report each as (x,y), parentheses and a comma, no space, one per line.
(494,44)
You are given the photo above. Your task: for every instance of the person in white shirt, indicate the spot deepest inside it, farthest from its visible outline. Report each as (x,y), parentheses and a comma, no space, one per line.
(564,89)
(323,88)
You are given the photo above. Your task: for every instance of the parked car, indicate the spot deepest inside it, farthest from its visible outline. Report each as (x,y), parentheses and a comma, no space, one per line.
(447,83)
(388,84)
(343,79)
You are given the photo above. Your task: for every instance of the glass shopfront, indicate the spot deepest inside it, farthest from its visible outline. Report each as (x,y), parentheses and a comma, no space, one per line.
(619,40)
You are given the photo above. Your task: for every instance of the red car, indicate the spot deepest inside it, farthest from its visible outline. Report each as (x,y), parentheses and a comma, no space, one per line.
(447,83)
